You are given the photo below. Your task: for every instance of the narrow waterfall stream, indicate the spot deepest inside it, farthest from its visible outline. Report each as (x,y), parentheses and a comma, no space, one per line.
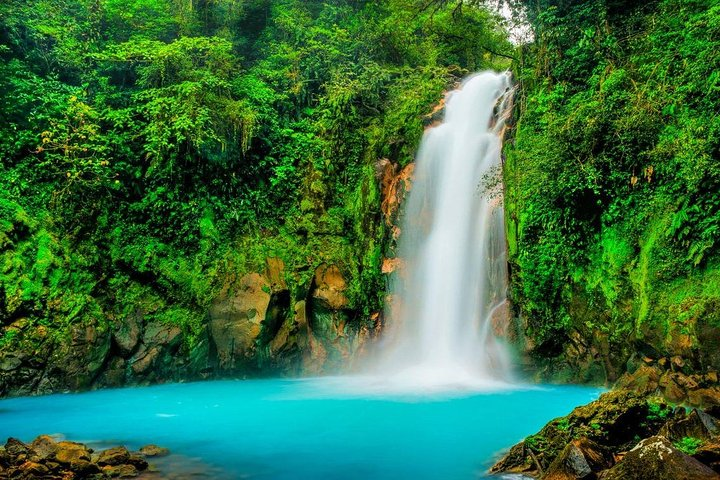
(452,246)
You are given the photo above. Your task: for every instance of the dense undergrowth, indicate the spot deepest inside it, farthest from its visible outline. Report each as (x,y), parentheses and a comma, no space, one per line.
(151,147)
(614,181)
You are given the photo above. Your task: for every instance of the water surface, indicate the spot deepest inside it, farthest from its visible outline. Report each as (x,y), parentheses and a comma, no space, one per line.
(301,429)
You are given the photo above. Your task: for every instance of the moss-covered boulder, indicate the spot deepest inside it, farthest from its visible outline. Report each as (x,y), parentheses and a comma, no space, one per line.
(656,458)
(616,421)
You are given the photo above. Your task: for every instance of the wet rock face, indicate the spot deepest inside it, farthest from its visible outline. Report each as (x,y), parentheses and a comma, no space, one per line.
(330,287)
(236,318)
(256,324)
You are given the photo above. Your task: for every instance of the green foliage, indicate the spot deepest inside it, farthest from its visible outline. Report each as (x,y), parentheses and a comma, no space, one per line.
(658,411)
(688,445)
(153,148)
(612,176)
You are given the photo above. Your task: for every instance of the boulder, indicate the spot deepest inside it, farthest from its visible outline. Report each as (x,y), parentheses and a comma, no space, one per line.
(154,451)
(138,461)
(31,470)
(14,448)
(613,420)
(709,454)
(655,458)
(113,457)
(705,397)
(4,458)
(121,471)
(77,363)
(75,456)
(10,361)
(236,317)
(518,460)
(696,424)
(579,460)
(330,287)
(44,447)
(159,343)
(644,380)
(670,385)
(126,335)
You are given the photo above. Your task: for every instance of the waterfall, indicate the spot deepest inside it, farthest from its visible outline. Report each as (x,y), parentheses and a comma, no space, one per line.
(453,274)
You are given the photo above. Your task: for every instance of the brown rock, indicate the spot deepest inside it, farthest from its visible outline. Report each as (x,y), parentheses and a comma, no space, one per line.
(154,451)
(501,320)
(145,359)
(72,454)
(126,335)
(44,447)
(281,341)
(655,458)
(138,461)
(578,460)
(390,265)
(614,420)
(696,425)
(709,454)
(705,397)
(31,470)
(677,362)
(121,471)
(394,185)
(644,380)
(113,456)
(671,388)
(236,316)
(518,460)
(330,287)
(15,448)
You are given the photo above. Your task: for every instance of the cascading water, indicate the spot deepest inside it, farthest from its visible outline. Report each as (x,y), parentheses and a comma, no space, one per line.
(452,246)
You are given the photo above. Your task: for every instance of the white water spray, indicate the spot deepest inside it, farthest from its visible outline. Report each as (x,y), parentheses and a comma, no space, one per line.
(453,276)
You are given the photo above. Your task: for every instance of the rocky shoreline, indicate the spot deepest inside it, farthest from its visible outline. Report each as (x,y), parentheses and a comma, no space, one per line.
(47,458)
(657,424)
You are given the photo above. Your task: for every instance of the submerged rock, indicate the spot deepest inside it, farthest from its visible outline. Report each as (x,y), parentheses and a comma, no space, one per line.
(121,471)
(113,456)
(154,451)
(655,458)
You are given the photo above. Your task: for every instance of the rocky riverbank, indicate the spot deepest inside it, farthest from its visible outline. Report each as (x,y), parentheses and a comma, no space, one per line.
(47,458)
(655,425)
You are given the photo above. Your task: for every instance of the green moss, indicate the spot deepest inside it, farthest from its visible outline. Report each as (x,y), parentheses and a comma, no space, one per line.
(688,445)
